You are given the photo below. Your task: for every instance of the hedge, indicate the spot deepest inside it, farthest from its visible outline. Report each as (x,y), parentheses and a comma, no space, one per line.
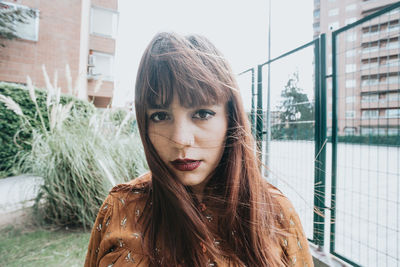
(383,140)
(12,139)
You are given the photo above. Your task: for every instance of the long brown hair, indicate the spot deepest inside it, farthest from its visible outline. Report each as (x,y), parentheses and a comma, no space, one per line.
(175,231)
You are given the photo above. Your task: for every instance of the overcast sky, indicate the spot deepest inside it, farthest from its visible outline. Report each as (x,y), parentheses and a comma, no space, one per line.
(239,29)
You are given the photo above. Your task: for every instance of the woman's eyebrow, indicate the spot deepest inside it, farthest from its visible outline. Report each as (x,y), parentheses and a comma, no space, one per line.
(158,107)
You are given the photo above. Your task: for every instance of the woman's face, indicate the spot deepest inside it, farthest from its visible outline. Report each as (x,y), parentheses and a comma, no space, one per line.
(190,141)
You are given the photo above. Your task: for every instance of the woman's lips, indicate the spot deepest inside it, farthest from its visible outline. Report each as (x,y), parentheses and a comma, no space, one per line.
(186,164)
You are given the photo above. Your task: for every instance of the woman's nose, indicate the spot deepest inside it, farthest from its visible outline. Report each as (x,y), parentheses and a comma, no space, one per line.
(182,134)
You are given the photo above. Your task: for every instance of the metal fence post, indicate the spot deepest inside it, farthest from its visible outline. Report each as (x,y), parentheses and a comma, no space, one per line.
(334,144)
(253,113)
(253,94)
(259,126)
(320,136)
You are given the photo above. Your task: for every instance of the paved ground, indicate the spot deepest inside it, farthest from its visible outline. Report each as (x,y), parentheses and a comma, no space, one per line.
(16,194)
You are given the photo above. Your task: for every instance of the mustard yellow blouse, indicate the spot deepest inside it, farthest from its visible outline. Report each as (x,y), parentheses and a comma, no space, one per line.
(116,234)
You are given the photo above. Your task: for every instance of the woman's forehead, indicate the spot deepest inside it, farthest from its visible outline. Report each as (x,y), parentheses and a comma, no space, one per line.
(179,103)
(187,98)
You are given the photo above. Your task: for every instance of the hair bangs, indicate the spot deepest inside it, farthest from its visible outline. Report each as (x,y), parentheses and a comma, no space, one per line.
(193,85)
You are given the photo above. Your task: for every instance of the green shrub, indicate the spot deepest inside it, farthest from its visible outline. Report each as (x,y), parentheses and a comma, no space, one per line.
(384,140)
(79,157)
(13,139)
(79,163)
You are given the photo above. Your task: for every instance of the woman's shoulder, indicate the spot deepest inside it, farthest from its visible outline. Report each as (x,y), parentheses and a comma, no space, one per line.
(280,198)
(118,225)
(134,191)
(284,203)
(140,184)
(293,239)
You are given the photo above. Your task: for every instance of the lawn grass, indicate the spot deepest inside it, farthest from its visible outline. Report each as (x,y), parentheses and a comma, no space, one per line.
(40,247)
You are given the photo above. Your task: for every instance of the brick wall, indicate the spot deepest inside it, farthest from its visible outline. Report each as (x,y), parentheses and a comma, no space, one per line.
(57,45)
(102,44)
(110,4)
(106,89)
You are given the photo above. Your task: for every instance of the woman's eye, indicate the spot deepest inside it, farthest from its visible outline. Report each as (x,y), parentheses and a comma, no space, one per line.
(203,114)
(159,116)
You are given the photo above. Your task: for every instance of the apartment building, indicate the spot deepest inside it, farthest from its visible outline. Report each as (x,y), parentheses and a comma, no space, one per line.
(368,76)
(80,33)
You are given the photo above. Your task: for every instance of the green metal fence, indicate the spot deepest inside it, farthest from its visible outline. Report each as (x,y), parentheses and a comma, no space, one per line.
(290,131)
(348,130)
(365,203)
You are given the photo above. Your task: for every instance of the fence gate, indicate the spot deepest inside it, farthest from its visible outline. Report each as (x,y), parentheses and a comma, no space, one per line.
(365,202)
(354,138)
(291,131)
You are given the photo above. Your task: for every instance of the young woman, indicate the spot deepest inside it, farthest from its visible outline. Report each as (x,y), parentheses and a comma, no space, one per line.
(204,202)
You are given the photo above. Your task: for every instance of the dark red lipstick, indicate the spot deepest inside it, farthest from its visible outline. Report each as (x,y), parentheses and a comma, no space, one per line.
(186,164)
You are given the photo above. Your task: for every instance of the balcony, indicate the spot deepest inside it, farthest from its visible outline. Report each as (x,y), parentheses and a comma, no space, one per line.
(375,51)
(380,121)
(106,89)
(379,87)
(373,69)
(369,7)
(380,35)
(381,104)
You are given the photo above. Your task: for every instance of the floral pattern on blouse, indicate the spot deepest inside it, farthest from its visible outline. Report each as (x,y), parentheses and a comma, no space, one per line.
(116,238)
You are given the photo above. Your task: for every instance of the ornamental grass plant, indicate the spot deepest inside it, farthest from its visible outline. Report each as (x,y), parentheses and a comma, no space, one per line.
(12,137)
(79,157)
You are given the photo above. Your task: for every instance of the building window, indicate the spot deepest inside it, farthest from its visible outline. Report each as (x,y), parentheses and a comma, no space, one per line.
(349,130)
(393,131)
(370,81)
(316,27)
(370,114)
(393,27)
(316,13)
(351,7)
(330,115)
(351,37)
(350,114)
(350,68)
(350,20)
(394,61)
(392,80)
(369,130)
(394,12)
(28,30)
(370,98)
(333,26)
(333,12)
(392,113)
(381,131)
(101,65)
(369,64)
(350,53)
(350,83)
(394,97)
(393,45)
(350,99)
(104,22)
(371,31)
(370,49)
